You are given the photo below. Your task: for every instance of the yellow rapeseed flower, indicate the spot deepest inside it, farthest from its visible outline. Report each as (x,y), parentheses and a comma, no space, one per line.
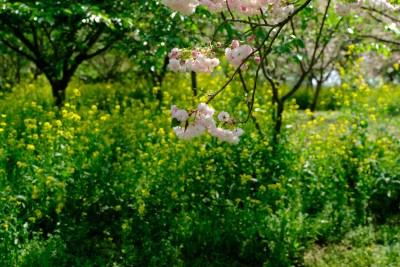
(30,147)
(141,209)
(38,214)
(77,92)
(59,208)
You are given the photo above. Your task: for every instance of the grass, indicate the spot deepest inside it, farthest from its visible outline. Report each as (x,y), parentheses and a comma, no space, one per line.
(373,246)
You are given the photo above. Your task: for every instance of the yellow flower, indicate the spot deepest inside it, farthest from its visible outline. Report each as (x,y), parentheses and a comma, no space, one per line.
(39,214)
(59,208)
(141,209)
(30,147)
(35,194)
(47,126)
(77,92)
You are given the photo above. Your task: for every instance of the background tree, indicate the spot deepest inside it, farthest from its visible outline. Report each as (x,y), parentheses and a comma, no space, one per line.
(12,68)
(290,51)
(160,32)
(59,35)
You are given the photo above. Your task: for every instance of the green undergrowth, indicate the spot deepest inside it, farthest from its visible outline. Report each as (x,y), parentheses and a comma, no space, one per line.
(104,181)
(373,246)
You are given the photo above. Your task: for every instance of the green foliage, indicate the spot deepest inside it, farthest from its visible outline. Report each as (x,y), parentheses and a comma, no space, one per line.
(51,32)
(58,36)
(364,246)
(103,180)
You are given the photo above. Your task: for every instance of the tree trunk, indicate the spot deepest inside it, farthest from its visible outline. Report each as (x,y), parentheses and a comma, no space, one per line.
(18,74)
(58,88)
(194,82)
(278,122)
(316,95)
(36,72)
(159,96)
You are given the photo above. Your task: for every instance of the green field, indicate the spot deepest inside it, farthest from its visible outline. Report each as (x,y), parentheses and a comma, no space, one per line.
(104,181)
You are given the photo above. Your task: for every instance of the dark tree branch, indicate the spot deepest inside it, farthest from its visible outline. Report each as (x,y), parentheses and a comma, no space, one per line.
(397,43)
(320,33)
(24,40)
(380,13)
(21,52)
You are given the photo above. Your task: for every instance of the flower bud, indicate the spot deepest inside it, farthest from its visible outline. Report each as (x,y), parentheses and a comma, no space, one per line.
(244,67)
(250,38)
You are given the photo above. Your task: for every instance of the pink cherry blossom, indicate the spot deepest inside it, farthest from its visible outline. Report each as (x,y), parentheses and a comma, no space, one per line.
(175,53)
(223,116)
(237,55)
(181,115)
(201,121)
(250,38)
(244,67)
(186,7)
(235,43)
(205,110)
(174,64)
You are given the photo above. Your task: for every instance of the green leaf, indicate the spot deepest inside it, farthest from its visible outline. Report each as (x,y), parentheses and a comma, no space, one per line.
(299,42)
(175,123)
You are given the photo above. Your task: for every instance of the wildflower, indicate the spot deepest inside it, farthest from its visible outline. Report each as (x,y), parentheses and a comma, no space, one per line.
(77,92)
(30,147)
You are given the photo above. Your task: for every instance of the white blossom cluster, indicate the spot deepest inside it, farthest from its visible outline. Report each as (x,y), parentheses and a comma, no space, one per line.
(197,61)
(384,5)
(344,9)
(203,121)
(277,9)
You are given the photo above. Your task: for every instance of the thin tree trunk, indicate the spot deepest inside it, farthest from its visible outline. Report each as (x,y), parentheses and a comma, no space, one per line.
(278,122)
(160,79)
(18,74)
(316,95)
(194,82)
